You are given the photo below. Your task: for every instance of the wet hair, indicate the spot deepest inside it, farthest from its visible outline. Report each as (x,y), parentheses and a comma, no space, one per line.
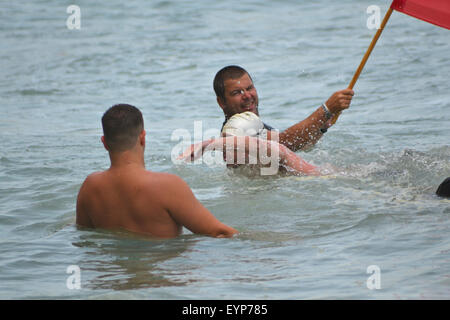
(444,188)
(229,72)
(122,124)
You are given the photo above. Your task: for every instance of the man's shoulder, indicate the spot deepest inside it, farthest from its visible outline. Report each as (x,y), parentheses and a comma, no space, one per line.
(94,177)
(92,182)
(151,181)
(159,181)
(163,178)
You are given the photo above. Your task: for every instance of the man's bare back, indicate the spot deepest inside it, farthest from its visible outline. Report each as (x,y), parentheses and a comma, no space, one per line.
(129,197)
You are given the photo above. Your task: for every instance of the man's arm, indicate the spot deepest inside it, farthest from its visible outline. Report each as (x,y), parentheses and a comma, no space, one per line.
(82,217)
(195,150)
(306,133)
(239,150)
(187,211)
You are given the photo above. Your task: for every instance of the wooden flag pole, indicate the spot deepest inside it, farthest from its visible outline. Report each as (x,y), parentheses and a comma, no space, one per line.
(366,56)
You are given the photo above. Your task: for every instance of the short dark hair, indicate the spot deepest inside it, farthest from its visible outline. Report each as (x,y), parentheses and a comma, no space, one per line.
(233,72)
(122,124)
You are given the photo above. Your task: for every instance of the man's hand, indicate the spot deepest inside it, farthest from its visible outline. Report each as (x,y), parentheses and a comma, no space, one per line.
(340,100)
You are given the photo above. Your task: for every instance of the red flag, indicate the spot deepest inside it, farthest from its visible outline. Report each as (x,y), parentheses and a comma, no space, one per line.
(434,11)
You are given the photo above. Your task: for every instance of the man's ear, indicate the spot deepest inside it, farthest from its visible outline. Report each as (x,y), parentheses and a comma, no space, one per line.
(142,137)
(104,142)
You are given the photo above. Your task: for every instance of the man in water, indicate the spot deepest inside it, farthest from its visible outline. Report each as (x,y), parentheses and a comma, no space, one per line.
(236,94)
(238,98)
(129,197)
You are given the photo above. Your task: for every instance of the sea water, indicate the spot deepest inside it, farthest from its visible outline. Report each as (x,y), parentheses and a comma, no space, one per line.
(376,230)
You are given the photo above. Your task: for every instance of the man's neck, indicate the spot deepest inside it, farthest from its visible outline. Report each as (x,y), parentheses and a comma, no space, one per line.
(127,159)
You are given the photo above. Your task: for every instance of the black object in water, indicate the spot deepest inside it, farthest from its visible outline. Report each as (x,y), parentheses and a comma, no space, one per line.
(444,188)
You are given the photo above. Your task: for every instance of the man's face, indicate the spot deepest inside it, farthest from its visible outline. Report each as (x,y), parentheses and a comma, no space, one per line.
(240,96)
